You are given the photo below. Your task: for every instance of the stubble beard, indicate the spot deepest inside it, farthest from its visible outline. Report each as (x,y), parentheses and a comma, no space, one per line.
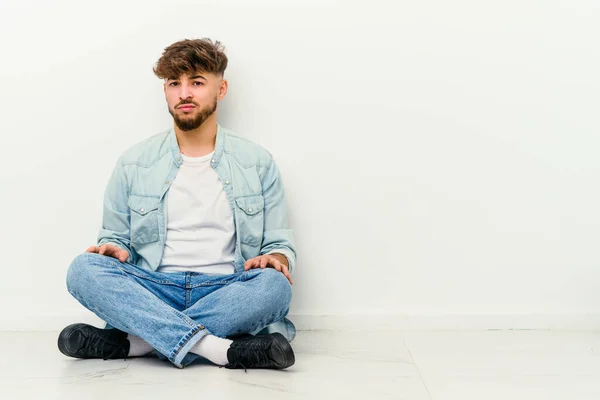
(189,123)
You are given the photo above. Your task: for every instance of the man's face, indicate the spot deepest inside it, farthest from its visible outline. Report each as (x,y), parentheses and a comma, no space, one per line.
(192,99)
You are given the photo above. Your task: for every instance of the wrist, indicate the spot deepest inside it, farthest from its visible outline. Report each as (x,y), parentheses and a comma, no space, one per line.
(281,258)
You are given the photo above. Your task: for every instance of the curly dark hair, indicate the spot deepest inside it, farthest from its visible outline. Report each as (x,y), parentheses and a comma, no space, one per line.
(189,56)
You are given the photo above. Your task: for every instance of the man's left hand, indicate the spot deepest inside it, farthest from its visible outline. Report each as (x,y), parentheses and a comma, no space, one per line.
(276,260)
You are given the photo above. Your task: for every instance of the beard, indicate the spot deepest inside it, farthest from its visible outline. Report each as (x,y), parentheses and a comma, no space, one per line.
(190,122)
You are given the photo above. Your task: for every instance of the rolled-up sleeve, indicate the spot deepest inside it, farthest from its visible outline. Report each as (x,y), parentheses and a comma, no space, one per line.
(277,234)
(115,216)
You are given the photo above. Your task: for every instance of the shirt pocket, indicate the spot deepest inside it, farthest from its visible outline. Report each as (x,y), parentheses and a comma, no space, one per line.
(250,219)
(144,218)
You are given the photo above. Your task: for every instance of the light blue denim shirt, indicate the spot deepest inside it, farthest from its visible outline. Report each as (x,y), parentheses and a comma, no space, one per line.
(135,201)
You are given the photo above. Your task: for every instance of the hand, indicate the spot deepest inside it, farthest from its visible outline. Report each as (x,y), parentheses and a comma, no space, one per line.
(110,251)
(269,261)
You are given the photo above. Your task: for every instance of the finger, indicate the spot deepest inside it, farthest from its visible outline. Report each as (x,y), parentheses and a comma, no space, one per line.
(250,264)
(123,255)
(92,249)
(110,250)
(287,274)
(277,265)
(263,262)
(117,253)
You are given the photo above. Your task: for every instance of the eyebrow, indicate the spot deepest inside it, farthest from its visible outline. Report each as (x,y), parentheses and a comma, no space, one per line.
(191,77)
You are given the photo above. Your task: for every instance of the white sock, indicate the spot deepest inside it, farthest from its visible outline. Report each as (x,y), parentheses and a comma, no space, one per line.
(137,346)
(213,348)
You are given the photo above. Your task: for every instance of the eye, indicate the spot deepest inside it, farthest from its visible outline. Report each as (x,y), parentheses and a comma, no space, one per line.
(172,83)
(198,83)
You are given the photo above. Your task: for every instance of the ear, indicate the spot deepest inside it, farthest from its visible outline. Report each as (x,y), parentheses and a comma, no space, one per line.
(223,89)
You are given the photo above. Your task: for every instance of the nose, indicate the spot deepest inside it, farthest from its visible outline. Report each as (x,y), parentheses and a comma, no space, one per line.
(184,92)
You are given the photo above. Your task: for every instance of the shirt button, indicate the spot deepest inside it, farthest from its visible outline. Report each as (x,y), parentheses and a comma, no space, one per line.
(250,209)
(141,210)
(167,182)
(227,182)
(179,159)
(213,160)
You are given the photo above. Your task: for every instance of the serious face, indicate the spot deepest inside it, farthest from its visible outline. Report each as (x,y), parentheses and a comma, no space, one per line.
(193,99)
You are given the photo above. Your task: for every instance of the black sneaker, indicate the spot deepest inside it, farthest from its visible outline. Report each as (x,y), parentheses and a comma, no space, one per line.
(263,351)
(86,341)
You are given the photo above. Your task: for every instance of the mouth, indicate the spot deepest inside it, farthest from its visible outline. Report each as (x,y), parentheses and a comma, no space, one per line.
(187,107)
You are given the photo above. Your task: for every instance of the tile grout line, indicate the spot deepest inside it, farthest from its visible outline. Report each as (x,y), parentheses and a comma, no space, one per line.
(417,367)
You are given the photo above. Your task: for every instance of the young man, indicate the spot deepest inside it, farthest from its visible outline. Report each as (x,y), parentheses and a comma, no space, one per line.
(195,254)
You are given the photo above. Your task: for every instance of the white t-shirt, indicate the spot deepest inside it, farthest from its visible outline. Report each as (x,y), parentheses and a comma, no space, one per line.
(200,227)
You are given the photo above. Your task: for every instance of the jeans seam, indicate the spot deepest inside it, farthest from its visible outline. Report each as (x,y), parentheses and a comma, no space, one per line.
(184,341)
(184,318)
(127,272)
(206,284)
(217,283)
(148,278)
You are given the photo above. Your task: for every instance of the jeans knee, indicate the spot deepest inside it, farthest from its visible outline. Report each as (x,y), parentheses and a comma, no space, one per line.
(276,286)
(78,272)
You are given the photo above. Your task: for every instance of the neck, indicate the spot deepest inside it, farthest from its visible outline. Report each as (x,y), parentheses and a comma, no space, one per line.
(200,141)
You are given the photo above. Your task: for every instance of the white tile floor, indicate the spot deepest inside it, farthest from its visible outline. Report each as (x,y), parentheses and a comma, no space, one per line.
(482,365)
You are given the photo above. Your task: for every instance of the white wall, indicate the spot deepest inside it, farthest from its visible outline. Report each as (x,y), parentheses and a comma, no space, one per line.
(440,158)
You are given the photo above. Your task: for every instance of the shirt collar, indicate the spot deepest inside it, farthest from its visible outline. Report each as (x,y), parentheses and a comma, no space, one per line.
(176,153)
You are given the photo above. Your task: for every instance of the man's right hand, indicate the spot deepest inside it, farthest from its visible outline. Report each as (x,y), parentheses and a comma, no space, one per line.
(110,251)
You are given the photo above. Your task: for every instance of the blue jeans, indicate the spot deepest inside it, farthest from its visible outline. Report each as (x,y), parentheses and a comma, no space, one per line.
(173,311)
